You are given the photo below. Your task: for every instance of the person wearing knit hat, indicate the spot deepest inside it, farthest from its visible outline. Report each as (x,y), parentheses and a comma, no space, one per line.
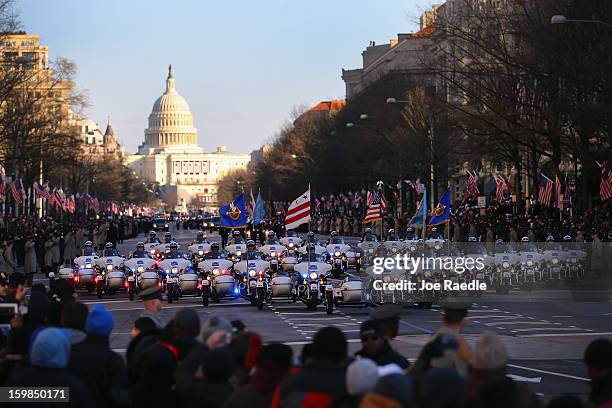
(324,375)
(96,364)
(361,376)
(99,322)
(49,355)
(186,327)
(393,390)
(486,383)
(441,388)
(271,368)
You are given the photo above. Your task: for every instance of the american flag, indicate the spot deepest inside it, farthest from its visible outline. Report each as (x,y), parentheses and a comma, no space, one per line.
(2,185)
(70,204)
(42,190)
(546,189)
(501,188)
(605,185)
(558,192)
(16,193)
(375,208)
(60,198)
(299,211)
(472,183)
(251,207)
(383,201)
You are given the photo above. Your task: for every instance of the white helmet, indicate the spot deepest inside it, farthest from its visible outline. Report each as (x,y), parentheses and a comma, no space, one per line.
(525,239)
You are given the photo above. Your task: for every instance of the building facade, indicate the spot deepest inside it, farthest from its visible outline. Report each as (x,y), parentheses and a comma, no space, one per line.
(170,155)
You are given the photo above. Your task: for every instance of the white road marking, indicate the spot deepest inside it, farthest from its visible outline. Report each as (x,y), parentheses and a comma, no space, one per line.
(561,317)
(543,328)
(524,379)
(514,322)
(535,370)
(566,334)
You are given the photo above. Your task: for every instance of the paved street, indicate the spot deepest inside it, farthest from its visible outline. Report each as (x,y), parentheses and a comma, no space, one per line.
(544,337)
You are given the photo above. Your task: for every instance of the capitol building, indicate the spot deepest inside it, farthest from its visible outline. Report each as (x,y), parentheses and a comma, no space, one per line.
(171,157)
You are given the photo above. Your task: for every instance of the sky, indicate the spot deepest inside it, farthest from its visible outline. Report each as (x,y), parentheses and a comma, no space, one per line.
(242,66)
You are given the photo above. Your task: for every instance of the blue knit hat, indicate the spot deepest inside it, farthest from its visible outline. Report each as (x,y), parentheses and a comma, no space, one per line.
(50,349)
(99,321)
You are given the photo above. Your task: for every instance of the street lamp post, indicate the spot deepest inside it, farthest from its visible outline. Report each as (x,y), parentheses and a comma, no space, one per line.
(561,19)
(379,185)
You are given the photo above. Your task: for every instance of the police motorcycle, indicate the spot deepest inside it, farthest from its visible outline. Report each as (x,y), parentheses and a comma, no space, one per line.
(141,271)
(289,258)
(575,258)
(476,250)
(84,273)
(218,280)
(252,271)
(152,243)
(507,262)
(179,277)
(393,244)
(310,280)
(198,248)
(531,265)
(272,250)
(368,245)
(336,254)
(310,239)
(412,241)
(163,248)
(553,271)
(434,239)
(291,240)
(110,272)
(378,282)
(236,247)
(423,277)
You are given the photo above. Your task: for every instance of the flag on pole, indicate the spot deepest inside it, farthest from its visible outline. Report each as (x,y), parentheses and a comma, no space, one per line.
(233,215)
(42,190)
(251,208)
(501,188)
(441,214)
(605,184)
(545,191)
(16,193)
(375,208)
(369,198)
(259,212)
(472,183)
(299,211)
(558,193)
(421,213)
(2,185)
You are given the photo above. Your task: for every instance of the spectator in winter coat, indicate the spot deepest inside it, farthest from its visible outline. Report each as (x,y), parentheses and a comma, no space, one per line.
(9,257)
(49,356)
(323,376)
(70,249)
(598,359)
(271,368)
(30,263)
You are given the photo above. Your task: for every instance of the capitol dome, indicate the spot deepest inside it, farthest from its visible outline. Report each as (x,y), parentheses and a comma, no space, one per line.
(170,121)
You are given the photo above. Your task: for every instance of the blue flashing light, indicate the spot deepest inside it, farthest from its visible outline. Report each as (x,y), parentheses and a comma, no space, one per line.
(305,275)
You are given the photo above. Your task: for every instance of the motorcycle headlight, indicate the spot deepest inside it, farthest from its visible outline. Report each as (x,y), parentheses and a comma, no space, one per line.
(252,272)
(337,253)
(154,225)
(412,249)
(87,266)
(529,263)
(174,270)
(273,254)
(506,264)
(371,250)
(204,224)
(109,267)
(215,271)
(290,245)
(140,269)
(166,225)
(238,253)
(555,261)
(574,260)
(313,275)
(152,251)
(200,252)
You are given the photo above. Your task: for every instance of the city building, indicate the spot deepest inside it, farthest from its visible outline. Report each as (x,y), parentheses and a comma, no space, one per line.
(404,55)
(170,155)
(95,143)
